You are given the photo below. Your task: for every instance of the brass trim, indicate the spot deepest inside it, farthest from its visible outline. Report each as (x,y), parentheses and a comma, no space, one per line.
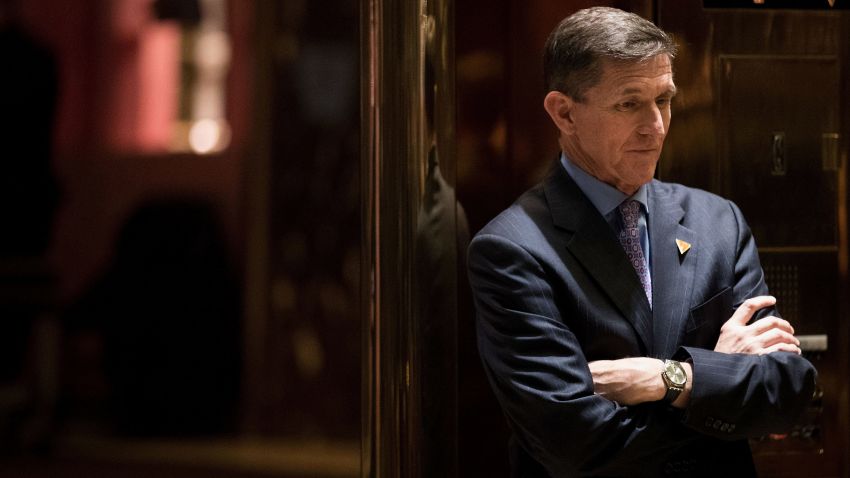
(407,114)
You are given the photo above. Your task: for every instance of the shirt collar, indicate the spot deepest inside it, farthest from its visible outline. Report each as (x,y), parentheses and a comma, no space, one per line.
(604,197)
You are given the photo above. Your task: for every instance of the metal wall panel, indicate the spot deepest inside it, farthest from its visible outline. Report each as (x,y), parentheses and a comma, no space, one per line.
(414,235)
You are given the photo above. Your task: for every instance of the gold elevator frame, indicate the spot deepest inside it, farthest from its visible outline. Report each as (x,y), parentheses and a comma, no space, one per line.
(407,108)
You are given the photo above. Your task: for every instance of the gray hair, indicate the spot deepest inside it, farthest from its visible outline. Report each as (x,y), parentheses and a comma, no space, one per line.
(571,61)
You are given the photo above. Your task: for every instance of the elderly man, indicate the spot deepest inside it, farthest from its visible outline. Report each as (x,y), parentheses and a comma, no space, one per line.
(623,322)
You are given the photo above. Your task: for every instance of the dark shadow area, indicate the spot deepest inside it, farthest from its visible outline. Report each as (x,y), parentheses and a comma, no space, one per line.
(28,89)
(28,198)
(162,324)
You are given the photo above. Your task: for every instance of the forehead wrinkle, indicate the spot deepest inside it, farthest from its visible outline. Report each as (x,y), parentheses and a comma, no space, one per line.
(632,90)
(626,73)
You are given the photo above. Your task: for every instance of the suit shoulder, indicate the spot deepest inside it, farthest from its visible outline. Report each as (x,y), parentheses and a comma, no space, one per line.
(527,214)
(676,190)
(690,198)
(704,212)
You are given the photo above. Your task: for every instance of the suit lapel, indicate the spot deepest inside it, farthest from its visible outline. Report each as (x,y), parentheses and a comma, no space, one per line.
(672,270)
(596,247)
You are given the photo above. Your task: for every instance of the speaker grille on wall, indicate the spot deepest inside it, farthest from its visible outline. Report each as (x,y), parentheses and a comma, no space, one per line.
(783,281)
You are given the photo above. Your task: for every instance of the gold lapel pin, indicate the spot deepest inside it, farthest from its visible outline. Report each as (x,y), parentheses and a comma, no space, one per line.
(683,246)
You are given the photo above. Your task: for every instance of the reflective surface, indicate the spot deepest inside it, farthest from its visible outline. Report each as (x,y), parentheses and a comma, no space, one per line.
(413,230)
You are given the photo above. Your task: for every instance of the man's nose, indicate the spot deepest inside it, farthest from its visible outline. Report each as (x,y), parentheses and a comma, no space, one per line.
(652,121)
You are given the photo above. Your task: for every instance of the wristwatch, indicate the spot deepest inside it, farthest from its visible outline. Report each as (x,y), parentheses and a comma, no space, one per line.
(675,378)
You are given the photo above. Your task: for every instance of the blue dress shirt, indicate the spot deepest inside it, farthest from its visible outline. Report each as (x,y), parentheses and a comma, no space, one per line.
(607,198)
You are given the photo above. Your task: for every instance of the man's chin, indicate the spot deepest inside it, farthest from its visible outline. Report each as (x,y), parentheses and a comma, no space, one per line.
(632,186)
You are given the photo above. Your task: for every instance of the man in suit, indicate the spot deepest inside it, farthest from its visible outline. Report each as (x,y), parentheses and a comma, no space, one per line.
(623,322)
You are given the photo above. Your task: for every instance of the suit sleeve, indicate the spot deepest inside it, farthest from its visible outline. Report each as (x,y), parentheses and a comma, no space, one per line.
(740,395)
(541,377)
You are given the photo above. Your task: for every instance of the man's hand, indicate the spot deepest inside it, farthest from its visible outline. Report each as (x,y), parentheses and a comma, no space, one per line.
(630,381)
(770,334)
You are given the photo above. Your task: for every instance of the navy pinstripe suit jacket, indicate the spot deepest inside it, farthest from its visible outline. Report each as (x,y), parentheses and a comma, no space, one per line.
(554,290)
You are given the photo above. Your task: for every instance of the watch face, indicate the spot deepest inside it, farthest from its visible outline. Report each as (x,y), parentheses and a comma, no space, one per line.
(675,373)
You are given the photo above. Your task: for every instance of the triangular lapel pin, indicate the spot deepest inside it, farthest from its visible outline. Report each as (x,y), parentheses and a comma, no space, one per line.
(683,246)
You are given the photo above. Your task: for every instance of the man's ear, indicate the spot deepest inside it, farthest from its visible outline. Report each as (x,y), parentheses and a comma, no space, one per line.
(560,109)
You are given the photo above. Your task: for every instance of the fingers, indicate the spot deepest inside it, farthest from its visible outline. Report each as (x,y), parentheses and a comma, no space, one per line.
(750,306)
(762,336)
(775,336)
(781,347)
(763,325)
(771,338)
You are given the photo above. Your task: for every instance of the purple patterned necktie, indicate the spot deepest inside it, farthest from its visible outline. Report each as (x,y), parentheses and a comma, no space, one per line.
(630,240)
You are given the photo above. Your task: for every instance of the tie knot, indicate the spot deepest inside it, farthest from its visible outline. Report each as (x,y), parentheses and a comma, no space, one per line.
(630,209)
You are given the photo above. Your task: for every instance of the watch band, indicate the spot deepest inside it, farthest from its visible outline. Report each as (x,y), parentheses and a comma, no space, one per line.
(672,394)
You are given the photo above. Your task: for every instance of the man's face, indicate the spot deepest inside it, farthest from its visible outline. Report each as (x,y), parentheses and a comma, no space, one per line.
(619,128)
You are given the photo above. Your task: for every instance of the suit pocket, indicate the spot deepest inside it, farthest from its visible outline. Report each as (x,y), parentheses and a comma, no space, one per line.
(705,320)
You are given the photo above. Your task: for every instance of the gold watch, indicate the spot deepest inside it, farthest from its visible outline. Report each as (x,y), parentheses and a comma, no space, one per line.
(675,378)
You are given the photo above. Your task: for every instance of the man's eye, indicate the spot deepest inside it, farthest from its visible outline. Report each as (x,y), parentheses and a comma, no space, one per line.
(663,101)
(626,105)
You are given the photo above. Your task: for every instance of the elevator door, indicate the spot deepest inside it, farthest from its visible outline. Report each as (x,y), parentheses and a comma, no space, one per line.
(759,121)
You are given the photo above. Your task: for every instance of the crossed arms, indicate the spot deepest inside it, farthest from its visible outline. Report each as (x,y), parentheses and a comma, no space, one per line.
(576,415)
(635,380)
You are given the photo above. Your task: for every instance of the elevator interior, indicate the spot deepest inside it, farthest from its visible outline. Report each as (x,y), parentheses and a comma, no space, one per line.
(760,118)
